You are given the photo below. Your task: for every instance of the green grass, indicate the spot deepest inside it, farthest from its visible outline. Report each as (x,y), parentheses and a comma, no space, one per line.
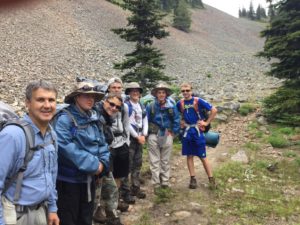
(163,195)
(145,219)
(252,146)
(278,141)
(290,154)
(263,194)
(246,108)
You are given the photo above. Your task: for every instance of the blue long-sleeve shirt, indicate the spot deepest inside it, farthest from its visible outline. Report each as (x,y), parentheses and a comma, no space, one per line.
(40,176)
(165,116)
(80,149)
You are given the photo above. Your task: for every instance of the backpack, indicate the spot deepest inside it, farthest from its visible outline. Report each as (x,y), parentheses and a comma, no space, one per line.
(202,111)
(130,108)
(101,124)
(9,117)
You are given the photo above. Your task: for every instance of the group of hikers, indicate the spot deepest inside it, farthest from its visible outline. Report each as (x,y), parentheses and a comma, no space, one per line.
(94,144)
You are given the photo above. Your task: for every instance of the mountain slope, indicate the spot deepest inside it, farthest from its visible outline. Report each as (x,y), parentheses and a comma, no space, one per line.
(61,39)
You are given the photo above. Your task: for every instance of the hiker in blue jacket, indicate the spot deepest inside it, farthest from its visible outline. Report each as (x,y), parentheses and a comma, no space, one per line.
(164,124)
(82,155)
(36,204)
(193,123)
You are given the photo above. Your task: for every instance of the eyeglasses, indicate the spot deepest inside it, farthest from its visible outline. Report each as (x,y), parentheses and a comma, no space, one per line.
(114,105)
(97,88)
(185,91)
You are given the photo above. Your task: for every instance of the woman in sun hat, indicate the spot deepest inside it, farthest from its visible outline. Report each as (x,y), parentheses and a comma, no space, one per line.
(82,154)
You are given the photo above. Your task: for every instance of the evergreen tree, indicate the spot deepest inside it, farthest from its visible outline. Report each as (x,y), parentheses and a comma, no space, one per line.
(263,14)
(168,5)
(271,12)
(197,4)
(240,13)
(244,12)
(144,64)
(258,11)
(283,44)
(251,14)
(182,17)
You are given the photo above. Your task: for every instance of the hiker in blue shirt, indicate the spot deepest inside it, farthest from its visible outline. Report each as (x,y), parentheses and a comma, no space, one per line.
(164,124)
(82,154)
(193,123)
(38,185)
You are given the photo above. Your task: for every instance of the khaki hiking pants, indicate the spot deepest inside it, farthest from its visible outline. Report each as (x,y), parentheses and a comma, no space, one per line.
(28,217)
(160,149)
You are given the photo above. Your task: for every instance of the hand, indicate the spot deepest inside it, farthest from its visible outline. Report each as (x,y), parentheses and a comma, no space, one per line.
(53,218)
(182,124)
(171,133)
(202,124)
(100,169)
(141,139)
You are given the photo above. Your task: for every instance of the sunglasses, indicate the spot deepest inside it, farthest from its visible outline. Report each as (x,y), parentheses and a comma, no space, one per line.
(185,91)
(114,105)
(97,88)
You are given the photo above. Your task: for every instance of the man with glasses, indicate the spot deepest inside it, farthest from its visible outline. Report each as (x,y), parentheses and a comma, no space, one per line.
(119,160)
(193,125)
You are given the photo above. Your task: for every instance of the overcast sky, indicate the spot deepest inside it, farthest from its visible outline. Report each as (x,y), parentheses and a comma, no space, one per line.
(232,6)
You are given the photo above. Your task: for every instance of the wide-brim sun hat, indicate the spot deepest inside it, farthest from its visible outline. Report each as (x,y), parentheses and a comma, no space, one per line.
(161,86)
(85,87)
(133,85)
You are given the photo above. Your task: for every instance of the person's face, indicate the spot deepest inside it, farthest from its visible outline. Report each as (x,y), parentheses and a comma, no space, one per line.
(161,95)
(85,101)
(112,106)
(41,107)
(115,88)
(134,94)
(186,92)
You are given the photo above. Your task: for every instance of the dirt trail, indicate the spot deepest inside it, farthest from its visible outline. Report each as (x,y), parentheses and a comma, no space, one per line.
(188,207)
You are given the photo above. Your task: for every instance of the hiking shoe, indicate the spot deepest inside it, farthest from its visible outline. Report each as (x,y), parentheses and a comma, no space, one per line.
(212,183)
(122,206)
(136,191)
(114,221)
(193,183)
(99,215)
(128,198)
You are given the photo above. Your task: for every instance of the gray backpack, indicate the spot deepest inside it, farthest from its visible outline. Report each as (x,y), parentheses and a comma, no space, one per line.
(9,117)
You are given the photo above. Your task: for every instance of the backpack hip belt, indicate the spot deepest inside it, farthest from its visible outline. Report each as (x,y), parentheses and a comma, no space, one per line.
(188,126)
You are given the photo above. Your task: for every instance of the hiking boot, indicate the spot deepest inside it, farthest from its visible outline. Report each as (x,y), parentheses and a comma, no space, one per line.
(193,183)
(136,191)
(128,198)
(122,206)
(212,183)
(114,221)
(99,215)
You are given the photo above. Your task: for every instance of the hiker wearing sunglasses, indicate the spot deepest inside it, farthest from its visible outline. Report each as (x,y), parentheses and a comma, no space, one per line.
(82,154)
(193,124)
(119,149)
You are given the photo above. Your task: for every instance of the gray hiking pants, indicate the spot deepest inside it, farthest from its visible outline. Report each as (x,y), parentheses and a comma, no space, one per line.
(135,166)
(160,149)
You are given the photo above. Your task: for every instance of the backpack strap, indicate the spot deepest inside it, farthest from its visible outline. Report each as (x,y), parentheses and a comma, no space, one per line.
(30,149)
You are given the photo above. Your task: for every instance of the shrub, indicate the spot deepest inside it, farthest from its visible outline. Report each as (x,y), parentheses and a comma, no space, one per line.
(245,109)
